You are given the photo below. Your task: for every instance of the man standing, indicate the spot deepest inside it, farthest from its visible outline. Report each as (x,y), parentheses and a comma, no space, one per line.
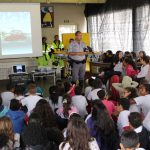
(77,53)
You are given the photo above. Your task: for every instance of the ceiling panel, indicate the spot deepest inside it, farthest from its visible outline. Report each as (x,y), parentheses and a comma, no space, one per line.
(55,1)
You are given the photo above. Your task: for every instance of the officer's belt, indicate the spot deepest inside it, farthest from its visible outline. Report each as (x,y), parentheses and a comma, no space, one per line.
(78,62)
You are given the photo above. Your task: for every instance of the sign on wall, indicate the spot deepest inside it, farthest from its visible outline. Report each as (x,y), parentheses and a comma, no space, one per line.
(47,16)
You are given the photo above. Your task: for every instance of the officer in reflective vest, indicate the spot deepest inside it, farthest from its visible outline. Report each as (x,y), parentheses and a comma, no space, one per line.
(43,61)
(57,44)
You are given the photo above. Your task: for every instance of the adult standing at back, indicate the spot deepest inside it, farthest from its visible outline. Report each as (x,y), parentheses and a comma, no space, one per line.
(78,58)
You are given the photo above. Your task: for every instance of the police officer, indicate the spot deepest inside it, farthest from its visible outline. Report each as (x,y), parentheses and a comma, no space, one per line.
(57,44)
(76,52)
(46,47)
(43,61)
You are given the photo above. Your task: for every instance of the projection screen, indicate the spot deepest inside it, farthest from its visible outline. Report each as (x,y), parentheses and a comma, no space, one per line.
(20,30)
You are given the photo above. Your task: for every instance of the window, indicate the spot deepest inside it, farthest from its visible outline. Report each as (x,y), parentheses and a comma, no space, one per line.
(66,29)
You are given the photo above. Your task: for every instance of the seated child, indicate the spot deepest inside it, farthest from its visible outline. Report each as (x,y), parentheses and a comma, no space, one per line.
(61,88)
(16,115)
(126,82)
(143,100)
(69,88)
(34,135)
(144,68)
(123,109)
(4,140)
(97,85)
(130,141)
(3,109)
(130,68)
(8,95)
(135,120)
(131,93)
(108,104)
(146,121)
(31,100)
(89,88)
(79,101)
(72,116)
(101,74)
(63,113)
(67,109)
(19,90)
(39,90)
(8,139)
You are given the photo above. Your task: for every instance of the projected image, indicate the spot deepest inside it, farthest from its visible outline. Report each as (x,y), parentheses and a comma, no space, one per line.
(15,33)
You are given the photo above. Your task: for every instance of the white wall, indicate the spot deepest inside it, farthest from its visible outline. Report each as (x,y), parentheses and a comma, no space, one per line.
(72,12)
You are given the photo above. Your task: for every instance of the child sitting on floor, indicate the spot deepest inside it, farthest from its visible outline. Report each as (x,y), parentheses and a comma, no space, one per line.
(130,141)
(79,101)
(16,115)
(108,104)
(135,120)
(143,100)
(97,85)
(67,109)
(69,88)
(123,109)
(89,88)
(131,93)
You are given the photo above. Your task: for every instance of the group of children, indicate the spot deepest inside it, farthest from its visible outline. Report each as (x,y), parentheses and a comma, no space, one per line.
(101,116)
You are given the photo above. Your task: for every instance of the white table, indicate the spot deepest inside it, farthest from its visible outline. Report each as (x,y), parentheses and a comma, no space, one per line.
(44,74)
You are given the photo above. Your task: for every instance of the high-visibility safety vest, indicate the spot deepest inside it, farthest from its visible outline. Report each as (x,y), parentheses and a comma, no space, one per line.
(43,60)
(58,45)
(45,48)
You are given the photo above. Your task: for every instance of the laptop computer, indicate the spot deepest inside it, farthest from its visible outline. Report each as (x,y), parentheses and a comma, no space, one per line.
(17,69)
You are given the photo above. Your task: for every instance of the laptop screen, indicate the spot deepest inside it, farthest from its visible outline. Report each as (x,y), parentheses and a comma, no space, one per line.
(19,69)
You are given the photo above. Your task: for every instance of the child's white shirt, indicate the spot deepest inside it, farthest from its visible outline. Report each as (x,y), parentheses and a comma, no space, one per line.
(144,103)
(144,71)
(87,90)
(93,94)
(123,120)
(80,103)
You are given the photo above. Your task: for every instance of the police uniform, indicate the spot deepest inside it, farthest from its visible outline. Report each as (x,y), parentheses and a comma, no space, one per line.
(78,61)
